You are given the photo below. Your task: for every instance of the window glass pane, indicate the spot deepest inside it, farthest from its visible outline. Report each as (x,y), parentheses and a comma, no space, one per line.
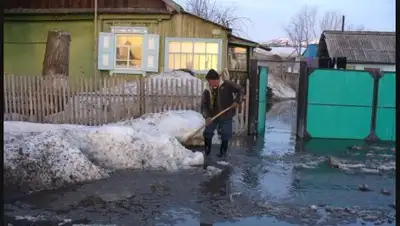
(121,64)
(135,64)
(174,47)
(189,61)
(170,61)
(135,53)
(122,53)
(212,48)
(199,47)
(212,62)
(199,62)
(187,47)
(237,58)
(239,50)
(183,60)
(136,40)
(177,61)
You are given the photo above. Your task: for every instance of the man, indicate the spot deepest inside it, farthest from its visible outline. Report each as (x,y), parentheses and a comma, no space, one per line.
(217,97)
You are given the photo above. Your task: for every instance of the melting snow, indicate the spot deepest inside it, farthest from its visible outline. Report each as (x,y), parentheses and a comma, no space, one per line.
(43,156)
(279,88)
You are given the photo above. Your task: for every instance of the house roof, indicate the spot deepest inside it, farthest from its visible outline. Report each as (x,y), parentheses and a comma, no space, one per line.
(233,39)
(87,6)
(361,46)
(311,51)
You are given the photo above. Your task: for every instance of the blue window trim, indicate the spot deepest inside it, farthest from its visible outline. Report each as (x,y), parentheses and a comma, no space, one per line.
(209,40)
(121,30)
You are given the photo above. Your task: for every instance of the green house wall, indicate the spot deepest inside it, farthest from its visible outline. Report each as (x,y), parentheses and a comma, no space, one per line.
(25,38)
(25,42)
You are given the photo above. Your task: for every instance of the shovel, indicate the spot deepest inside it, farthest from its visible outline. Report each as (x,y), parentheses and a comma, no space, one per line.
(190,135)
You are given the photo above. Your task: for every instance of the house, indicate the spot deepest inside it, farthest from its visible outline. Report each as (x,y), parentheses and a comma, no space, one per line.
(310,51)
(132,37)
(365,50)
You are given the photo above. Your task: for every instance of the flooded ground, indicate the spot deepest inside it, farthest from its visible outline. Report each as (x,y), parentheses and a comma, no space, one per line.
(269,181)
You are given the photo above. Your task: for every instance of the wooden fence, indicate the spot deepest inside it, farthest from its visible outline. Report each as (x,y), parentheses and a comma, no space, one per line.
(93,102)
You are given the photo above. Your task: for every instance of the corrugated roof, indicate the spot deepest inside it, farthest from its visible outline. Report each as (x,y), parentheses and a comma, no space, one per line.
(362,46)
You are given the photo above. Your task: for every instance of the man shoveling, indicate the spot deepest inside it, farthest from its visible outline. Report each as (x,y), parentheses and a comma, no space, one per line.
(217,97)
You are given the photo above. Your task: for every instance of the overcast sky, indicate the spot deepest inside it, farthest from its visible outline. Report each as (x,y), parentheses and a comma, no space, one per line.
(268,17)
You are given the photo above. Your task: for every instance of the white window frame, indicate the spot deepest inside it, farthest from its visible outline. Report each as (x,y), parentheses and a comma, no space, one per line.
(174,39)
(127,30)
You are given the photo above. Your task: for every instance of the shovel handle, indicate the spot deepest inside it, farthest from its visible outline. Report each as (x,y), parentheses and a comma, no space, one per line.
(212,119)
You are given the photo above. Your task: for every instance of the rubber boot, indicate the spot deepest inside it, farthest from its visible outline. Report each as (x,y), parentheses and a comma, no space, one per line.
(223,149)
(207,146)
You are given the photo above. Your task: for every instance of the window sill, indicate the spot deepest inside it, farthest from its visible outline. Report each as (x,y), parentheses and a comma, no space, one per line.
(127,71)
(195,72)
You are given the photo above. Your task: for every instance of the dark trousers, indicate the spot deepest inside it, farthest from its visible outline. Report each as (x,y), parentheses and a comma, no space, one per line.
(224,127)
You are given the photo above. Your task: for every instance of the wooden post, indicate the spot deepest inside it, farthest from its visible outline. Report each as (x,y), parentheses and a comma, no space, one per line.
(253,98)
(56,67)
(302,94)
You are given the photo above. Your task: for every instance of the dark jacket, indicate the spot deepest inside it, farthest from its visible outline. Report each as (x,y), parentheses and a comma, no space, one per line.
(225,99)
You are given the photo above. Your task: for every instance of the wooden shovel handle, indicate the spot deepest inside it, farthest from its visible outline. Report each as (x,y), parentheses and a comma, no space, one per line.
(212,119)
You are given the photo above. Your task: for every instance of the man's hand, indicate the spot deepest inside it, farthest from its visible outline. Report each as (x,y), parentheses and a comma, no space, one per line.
(235,105)
(208,121)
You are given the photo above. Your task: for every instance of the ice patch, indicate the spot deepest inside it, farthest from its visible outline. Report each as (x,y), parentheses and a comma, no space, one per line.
(213,171)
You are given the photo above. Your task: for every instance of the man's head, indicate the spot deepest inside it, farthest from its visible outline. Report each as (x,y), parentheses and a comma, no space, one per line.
(212,78)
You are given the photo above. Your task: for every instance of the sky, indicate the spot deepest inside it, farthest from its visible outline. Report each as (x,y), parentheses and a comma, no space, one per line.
(269,17)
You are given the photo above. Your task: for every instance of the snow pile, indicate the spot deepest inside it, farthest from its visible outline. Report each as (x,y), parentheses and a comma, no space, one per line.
(103,105)
(43,156)
(280,89)
(174,123)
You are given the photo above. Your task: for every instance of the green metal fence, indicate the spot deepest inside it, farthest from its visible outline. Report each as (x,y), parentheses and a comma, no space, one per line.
(346,104)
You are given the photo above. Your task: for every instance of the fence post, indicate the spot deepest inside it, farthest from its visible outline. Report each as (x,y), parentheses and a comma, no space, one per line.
(302,101)
(253,97)
(142,93)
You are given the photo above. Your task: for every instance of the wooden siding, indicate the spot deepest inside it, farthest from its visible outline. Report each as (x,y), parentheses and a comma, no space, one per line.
(82,4)
(178,25)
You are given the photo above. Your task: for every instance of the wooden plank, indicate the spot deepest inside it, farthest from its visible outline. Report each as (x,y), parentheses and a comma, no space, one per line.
(246,123)
(103,100)
(6,91)
(87,101)
(13,96)
(24,96)
(30,96)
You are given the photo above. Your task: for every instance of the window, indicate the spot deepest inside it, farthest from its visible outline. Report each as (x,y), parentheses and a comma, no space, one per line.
(237,58)
(198,55)
(128,50)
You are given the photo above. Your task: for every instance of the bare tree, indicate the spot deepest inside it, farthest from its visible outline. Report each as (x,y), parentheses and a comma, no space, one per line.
(333,21)
(301,28)
(224,15)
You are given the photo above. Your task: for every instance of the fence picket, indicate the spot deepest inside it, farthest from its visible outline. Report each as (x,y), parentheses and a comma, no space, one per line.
(88,101)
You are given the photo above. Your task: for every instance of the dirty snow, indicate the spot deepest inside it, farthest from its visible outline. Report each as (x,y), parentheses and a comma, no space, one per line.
(279,88)
(174,123)
(43,156)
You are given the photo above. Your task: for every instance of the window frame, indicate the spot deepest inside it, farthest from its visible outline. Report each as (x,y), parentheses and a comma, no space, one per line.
(192,40)
(127,30)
